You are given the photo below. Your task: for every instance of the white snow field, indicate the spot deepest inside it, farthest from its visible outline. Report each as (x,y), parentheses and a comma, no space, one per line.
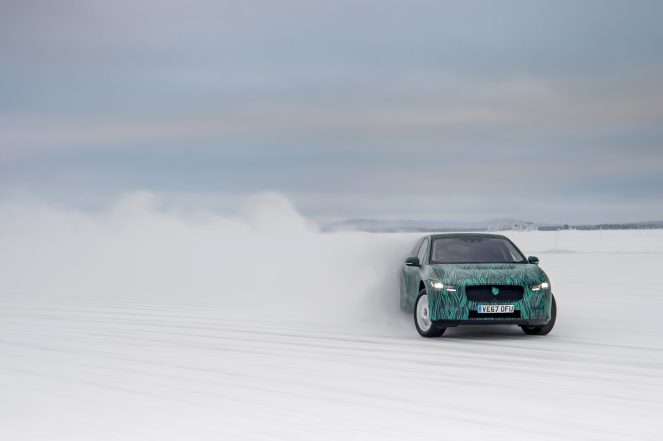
(144,324)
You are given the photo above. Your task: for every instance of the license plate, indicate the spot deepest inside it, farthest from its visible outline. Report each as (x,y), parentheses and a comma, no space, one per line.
(495,309)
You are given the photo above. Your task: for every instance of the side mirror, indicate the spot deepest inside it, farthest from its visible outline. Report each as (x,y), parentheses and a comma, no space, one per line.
(412,261)
(533,260)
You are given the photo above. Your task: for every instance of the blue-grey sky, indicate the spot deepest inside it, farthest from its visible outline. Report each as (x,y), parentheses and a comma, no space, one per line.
(545,111)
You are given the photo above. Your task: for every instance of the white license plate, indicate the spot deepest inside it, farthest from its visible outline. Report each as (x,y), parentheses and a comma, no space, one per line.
(494,309)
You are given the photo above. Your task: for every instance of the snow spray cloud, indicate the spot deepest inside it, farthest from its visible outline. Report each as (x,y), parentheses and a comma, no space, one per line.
(267,258)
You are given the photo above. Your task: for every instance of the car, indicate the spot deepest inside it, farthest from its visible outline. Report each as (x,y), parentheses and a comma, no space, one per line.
(458,279)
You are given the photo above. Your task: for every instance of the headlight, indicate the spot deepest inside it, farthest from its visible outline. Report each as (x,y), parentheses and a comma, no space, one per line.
(436,284)
(540,286)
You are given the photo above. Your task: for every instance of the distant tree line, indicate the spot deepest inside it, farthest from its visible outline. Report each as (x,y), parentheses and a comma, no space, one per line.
(633,226)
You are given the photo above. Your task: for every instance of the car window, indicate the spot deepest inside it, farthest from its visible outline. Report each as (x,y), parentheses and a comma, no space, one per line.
(512,252)
(472,249)
(415,250)
(423,250)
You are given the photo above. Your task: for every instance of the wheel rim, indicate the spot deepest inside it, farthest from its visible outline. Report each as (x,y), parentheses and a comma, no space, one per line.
(423,314)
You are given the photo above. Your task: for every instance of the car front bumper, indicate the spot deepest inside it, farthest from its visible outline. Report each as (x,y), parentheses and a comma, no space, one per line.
(520,322)
(454,308)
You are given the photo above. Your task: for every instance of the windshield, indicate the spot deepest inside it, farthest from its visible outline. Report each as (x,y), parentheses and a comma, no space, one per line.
(475,249)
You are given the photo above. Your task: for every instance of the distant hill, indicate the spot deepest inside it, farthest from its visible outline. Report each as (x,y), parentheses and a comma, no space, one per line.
(506,224)
(647,225)
(373,225)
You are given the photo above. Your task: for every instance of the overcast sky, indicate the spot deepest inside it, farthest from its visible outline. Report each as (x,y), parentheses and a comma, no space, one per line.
(545,111)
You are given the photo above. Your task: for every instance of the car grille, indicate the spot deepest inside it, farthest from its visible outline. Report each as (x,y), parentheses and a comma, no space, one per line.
(512,315)
(484,293)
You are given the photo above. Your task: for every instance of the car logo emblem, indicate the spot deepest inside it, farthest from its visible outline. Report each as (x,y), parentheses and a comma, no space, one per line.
(495,291)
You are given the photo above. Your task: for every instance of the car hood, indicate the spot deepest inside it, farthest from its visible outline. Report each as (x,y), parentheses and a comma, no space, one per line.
(489,274)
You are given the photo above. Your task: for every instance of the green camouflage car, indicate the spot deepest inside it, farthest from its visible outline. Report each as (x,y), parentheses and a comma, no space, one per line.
(475,279)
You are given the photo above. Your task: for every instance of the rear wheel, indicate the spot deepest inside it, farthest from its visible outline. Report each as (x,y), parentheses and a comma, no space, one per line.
(543,329)
(425,326)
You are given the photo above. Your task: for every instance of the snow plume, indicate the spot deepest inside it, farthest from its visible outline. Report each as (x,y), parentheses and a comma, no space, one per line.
(140,249)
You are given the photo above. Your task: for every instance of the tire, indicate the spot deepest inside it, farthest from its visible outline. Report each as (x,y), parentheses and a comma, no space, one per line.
(543,329)
(422,322)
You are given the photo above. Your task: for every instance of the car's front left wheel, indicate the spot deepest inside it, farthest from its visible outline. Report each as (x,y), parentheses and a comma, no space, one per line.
(544,329)
(425,326)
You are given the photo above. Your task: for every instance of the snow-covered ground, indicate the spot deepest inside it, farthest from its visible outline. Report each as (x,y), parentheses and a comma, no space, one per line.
(140,325)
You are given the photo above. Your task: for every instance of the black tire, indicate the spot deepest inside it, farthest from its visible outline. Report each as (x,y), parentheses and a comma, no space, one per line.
(543,329)
(434,330)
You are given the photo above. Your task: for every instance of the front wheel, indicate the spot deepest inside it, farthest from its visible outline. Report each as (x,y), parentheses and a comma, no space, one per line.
(425,326)
(543,329)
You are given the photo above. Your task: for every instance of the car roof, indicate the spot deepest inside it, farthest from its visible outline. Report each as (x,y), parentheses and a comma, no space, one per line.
(459,235)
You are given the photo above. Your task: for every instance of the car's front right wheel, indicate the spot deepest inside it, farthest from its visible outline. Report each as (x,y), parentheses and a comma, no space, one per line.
(425,326)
